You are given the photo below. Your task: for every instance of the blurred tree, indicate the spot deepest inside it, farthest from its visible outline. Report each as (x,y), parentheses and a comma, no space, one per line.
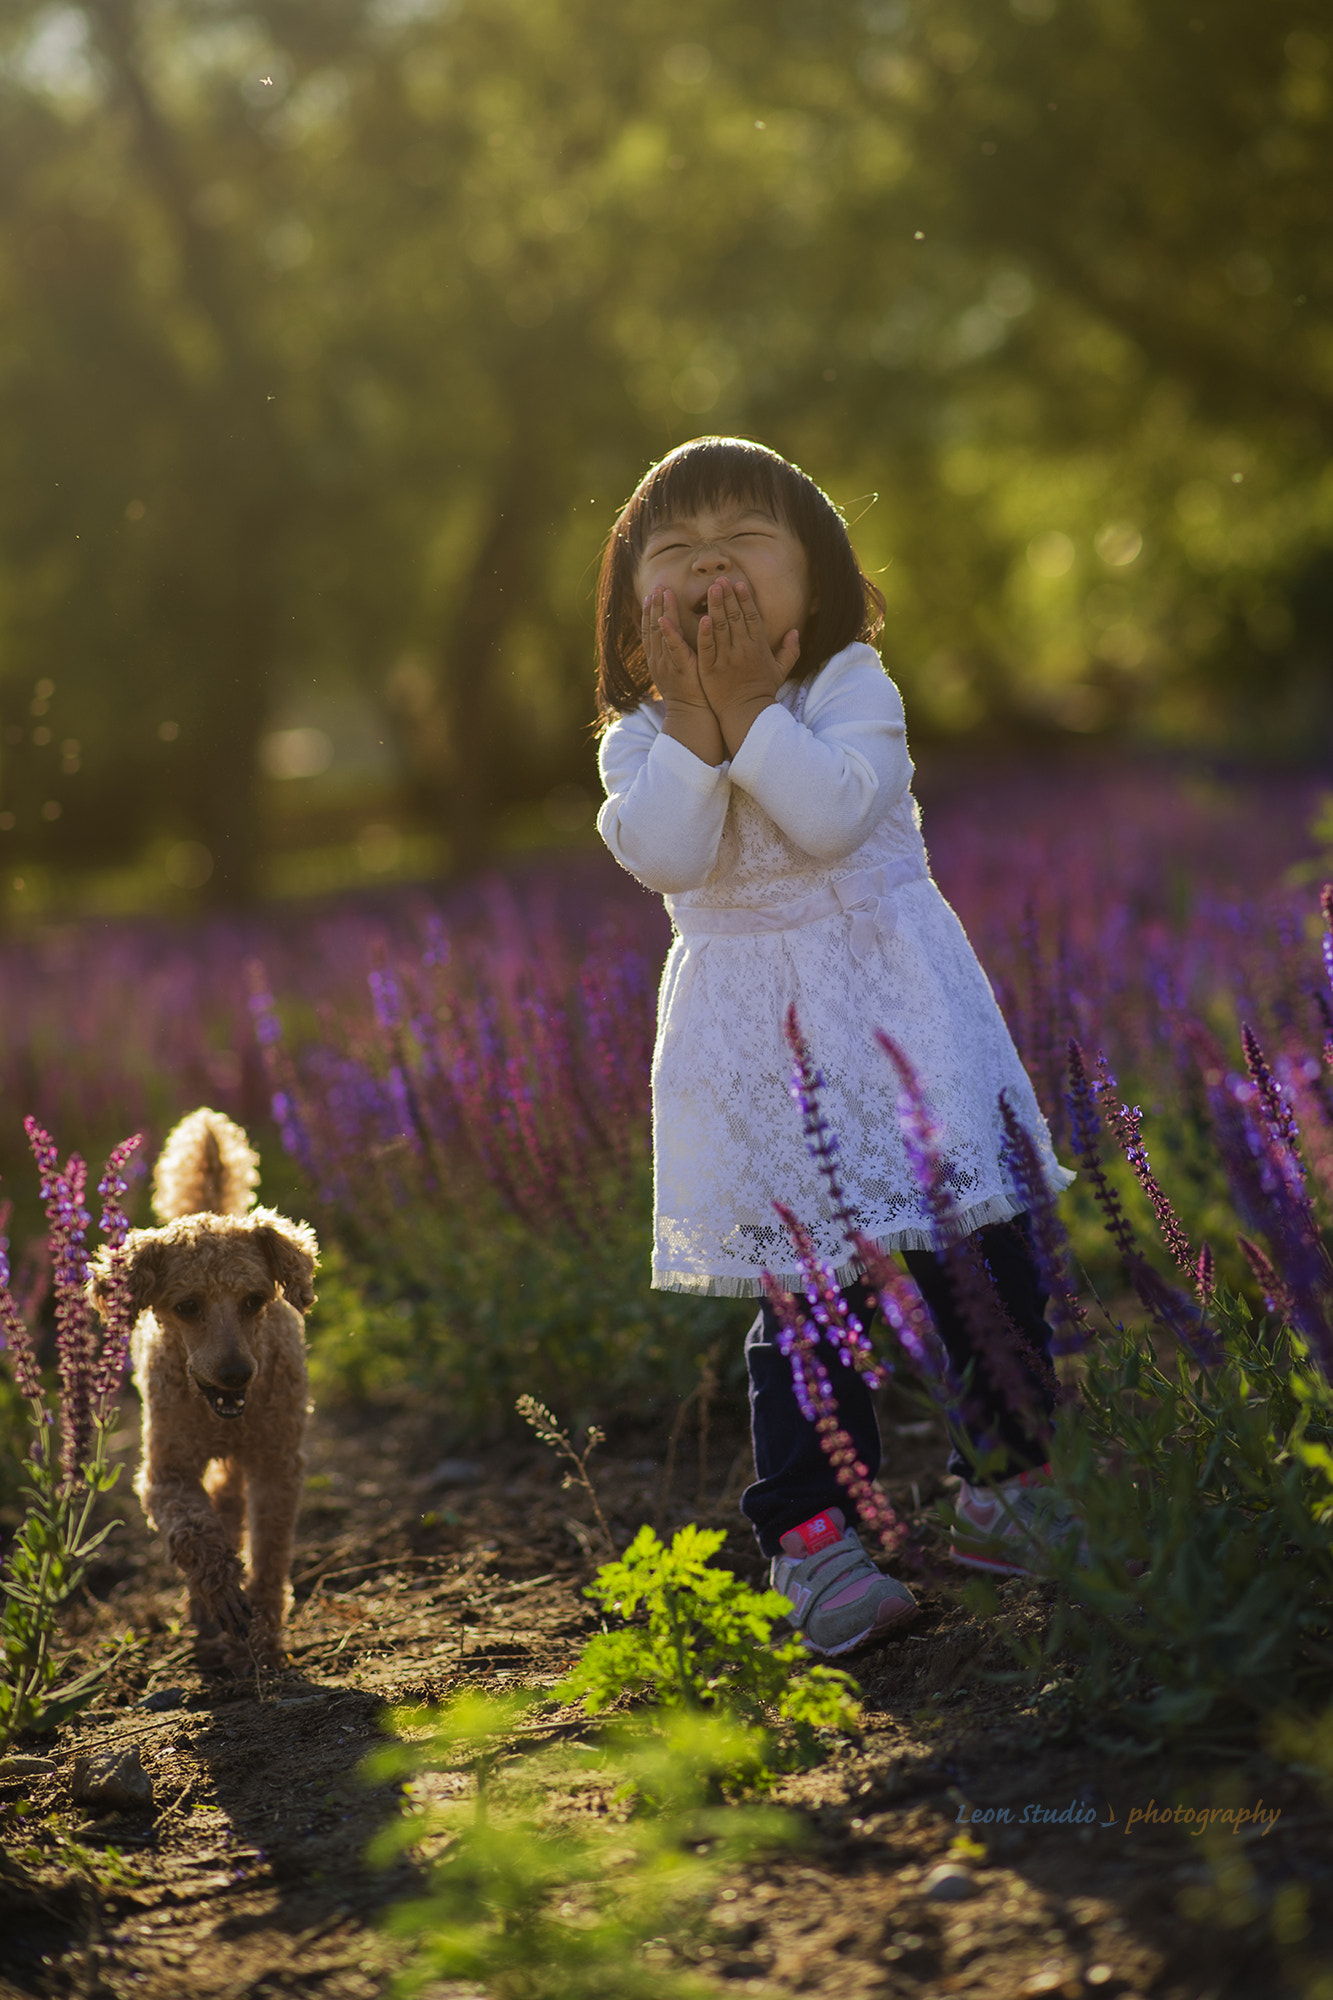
(332,332)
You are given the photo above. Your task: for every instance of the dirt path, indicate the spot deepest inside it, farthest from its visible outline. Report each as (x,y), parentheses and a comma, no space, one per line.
(247,1880)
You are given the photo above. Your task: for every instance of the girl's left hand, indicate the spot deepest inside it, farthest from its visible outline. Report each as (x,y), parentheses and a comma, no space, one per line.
(739,672)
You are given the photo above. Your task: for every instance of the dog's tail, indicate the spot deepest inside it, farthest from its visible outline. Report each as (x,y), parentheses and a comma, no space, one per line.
(207,1164)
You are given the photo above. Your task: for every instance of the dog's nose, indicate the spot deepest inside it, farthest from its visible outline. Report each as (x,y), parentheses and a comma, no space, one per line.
(232,1378)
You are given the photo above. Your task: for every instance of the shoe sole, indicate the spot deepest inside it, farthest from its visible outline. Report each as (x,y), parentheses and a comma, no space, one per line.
(872,1637)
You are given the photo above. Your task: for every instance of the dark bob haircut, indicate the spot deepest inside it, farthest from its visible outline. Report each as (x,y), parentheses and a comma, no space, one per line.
(696,476)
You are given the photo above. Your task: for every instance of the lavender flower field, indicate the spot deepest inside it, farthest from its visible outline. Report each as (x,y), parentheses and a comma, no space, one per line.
(452,1085)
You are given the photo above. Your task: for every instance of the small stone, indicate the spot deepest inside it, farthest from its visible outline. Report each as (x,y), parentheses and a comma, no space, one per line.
(25,1767)
(164,1699)
(113,1779)
(454,1472)
(949,1883)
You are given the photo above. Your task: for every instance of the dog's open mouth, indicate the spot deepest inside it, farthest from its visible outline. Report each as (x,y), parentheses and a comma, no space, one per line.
(223,1402)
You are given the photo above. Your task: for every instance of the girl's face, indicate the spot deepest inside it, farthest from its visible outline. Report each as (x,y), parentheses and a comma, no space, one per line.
(735,538)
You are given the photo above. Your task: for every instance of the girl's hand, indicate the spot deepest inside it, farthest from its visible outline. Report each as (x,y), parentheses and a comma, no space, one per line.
(738,670)
(674,666)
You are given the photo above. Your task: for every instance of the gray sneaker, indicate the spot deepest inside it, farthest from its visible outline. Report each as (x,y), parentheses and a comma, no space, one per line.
(1010,1527)
(839,1599)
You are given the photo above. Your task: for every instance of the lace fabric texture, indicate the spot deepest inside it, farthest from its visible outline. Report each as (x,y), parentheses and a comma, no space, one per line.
(727,1137)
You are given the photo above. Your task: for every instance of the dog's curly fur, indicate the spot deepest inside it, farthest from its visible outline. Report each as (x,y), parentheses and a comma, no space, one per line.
(221,1291)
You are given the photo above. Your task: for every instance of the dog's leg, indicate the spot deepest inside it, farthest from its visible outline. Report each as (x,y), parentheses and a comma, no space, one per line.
(274,1495)
(224,1483)
(176,1503)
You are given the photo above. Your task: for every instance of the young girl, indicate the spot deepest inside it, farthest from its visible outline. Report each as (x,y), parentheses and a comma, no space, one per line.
(757,775)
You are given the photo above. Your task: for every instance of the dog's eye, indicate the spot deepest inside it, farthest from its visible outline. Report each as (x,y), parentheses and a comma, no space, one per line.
(186,1308)
(255,1303)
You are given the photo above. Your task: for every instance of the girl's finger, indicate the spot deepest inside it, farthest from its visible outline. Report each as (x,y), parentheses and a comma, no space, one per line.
(789,652)
(731,605)
(706,640)
(652,648)
(749,610)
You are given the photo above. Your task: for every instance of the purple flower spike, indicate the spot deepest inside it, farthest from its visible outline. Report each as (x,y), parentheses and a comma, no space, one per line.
(1010,1360)
(1126,1124)
(14,1334)
(821,1141)
(77,1351)
(1085,1128)
(825,1305)
(1277,1299)
(799,1339)
(1049,1243)
(921,1139)
(90,1366)
(1276,1109)
(117,1301)
(908,1318)
(1204,1276)
(1172,1310)
(1271,1195)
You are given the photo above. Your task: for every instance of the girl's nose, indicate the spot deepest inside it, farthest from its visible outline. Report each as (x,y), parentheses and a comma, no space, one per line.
(712,562)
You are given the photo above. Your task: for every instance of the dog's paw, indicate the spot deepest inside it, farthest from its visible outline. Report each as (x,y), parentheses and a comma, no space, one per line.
(259,1651)
(225,1613)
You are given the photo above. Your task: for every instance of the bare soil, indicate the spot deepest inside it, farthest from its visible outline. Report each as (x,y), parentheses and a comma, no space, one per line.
(247,1878)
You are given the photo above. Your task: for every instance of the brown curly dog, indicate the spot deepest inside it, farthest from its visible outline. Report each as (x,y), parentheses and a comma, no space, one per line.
(219,1355)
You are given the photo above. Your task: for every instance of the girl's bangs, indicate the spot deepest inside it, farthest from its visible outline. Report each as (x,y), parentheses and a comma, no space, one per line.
(699,476)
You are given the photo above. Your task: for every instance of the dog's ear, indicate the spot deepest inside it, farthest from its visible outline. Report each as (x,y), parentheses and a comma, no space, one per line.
(291,1252)
(145,1267)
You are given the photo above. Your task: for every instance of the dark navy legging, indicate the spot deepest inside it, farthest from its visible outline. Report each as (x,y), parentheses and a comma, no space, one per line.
(793,1477)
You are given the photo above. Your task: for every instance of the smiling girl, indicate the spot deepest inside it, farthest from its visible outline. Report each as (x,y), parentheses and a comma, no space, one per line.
(756,770)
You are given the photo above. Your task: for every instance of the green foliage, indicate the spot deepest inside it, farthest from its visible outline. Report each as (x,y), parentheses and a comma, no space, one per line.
(453,1292)
(1206,1601)
(706,1641)
(563,1868)
(383,310)
(44,1566)
(559,1871)
(13,1425)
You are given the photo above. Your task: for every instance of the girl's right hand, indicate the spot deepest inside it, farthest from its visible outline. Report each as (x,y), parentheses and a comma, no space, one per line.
(674,666)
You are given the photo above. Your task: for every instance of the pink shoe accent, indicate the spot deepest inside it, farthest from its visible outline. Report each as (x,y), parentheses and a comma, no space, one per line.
(850,1595)
(821,1531)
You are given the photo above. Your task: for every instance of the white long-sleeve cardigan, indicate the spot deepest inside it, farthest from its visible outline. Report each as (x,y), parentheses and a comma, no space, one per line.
(797,872)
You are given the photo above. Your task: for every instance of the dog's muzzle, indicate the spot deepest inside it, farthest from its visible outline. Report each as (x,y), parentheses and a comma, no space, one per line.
(222,1402)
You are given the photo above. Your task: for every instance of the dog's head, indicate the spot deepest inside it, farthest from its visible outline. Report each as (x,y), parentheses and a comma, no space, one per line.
(209,1281)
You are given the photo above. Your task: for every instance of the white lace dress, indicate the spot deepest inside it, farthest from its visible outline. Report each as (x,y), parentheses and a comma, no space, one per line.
(797,872)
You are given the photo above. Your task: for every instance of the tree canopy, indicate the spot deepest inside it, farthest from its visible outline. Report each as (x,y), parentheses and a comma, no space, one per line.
(333,332)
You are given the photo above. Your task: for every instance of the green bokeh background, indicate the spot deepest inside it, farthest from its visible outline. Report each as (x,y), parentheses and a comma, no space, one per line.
(333,333)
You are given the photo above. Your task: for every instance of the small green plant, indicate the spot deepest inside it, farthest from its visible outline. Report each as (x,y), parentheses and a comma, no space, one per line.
(1206,1494)
(67,1469)
(548,1430)
(561,1871)
(705,1642)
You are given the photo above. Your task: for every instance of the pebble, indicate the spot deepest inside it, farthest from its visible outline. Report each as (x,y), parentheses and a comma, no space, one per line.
(113,1779)
(949,1883)
(164,1699)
